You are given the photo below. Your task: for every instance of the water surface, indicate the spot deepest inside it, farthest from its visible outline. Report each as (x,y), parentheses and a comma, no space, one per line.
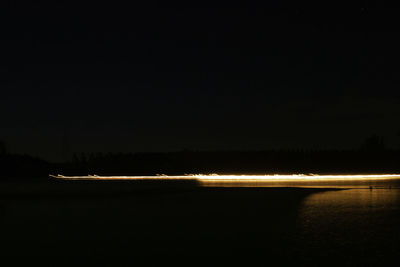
(349,222)
(354,226)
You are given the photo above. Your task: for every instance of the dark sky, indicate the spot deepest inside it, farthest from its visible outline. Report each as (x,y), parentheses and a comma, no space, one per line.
(213,75)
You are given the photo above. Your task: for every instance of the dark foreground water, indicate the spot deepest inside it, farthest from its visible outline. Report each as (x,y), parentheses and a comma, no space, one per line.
(128,224)
(351,226)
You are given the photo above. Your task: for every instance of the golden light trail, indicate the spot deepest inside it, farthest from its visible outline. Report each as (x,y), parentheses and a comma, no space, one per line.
(217,177)
(254,180)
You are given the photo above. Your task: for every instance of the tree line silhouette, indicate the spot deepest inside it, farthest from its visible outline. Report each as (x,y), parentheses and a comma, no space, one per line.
(371,157)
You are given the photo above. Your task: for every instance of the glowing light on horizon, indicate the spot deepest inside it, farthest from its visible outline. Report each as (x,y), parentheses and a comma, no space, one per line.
(241,178)
(275,180)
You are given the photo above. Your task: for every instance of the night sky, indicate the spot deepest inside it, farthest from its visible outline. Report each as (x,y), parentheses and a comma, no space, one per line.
(210,76)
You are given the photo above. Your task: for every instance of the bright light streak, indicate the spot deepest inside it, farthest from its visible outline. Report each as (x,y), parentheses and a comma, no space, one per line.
(277,180)
(240,178)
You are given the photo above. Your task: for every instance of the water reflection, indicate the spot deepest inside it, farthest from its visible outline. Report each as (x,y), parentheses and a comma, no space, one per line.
(362,224)
(340,183)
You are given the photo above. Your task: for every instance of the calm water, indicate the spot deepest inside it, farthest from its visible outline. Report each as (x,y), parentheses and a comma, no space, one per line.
(355,225)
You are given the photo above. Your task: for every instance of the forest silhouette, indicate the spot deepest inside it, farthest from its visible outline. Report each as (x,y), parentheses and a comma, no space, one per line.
(371,157)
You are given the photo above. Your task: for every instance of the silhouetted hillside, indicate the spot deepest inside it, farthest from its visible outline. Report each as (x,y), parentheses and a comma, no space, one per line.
(23,167)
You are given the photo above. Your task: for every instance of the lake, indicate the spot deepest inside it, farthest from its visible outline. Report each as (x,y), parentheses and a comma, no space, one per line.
(351,226)
(118,223)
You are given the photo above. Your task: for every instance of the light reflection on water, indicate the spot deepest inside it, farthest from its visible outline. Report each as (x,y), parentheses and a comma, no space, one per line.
(359,223)
(310,184)
(336,225)
(388,184)
(318,181)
